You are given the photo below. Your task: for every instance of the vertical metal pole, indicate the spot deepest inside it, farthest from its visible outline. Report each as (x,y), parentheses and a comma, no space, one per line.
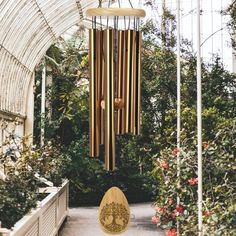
(178,102)
(43,98)
(199,121)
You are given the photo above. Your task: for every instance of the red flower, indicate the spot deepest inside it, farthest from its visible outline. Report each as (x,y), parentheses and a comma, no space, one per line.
(164,165)
(171,232)
(175,151)
(180,209)
(205,145)
(161,209)
(155,219)
(193,181)
(207,213)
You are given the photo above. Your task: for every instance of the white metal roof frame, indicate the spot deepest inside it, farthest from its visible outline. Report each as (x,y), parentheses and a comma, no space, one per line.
(27,29)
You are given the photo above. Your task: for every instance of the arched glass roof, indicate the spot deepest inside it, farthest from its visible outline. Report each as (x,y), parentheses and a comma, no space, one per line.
(27,29)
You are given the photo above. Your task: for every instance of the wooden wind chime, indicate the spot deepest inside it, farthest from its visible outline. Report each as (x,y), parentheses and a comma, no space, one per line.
(115,45)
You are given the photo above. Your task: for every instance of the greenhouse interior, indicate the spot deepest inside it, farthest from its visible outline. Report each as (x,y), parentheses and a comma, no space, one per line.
(117,117)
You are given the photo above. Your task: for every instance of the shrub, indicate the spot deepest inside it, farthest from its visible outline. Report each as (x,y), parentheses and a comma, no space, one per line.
(89,181)
(219,192)
(24,166)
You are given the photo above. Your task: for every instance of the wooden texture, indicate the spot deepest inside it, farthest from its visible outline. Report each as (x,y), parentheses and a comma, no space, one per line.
(114,212)
(115,12)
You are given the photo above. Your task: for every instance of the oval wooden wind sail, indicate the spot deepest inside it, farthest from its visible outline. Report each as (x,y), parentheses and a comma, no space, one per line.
(114,212)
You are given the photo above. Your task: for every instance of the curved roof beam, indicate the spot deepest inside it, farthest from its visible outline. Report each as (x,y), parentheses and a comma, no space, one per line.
(27,29)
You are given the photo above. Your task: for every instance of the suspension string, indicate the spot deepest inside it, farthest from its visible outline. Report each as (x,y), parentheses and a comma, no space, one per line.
(100,23)
(100,3)
(109,4)
(125,22)
(100,6)
(131,4)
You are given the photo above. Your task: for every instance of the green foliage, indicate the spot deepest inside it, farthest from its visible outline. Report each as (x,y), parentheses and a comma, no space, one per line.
(67,95)
(18,192)
(89,181)
(23,167)
(218,185)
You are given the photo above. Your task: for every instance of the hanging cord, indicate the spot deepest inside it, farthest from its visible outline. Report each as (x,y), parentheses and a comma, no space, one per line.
(100,6)
(109,4)
(93,22)
(138,24)
(99,3)
(131,7)
(131,4)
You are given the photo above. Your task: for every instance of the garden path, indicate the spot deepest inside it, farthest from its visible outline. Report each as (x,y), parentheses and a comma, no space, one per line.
(83,221)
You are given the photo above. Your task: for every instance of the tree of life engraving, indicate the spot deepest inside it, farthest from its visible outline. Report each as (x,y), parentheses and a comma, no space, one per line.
(114,217)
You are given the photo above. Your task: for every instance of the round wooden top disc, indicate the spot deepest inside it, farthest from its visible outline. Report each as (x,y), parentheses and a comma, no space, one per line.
(115,12)
(114,212)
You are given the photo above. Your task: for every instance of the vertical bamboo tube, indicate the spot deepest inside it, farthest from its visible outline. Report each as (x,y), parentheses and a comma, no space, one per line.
(109,99)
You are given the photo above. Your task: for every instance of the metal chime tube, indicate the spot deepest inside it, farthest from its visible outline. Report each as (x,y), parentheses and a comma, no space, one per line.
(128,82)
(109,100)
(92,89)
(120,82)
(98,84)
(133,81)
(136,82)
(102,71)
(138,85)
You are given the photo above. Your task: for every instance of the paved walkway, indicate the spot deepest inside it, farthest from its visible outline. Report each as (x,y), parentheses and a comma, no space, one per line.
(83,221)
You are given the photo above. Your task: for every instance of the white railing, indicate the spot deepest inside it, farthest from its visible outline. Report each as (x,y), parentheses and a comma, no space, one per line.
(47,218)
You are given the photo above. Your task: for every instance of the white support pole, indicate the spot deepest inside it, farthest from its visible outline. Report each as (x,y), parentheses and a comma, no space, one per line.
(43,98)
(178,102)
(29,122)
(199,121)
